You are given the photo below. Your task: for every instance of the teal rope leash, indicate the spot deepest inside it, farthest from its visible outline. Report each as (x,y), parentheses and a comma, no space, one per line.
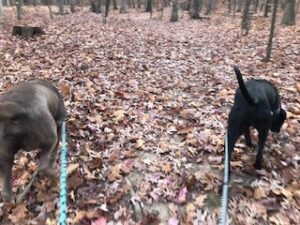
(63,178)
(224,197)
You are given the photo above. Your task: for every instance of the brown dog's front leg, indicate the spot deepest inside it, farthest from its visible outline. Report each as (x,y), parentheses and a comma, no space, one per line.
(44,167)
(21,197)
(6,170)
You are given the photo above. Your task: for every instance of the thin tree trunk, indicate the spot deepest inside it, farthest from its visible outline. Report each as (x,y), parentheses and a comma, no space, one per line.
(107,3)
(289,16)
(61,7)
(272,29)
(72,6)
(18,5)
(196,9)
(8,3)
(174,16)
(148,6)
(139,4)
(1,8)
(209,7)
(246,16)
(267,7)
(234,7)
(115,5)
(240,6)
(123,6)
(50,10)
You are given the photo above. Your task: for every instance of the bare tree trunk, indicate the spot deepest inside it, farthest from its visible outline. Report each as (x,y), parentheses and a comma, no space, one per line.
(229,6)
(115,5)
(272,29)
(289,16)
(123,6)
(61,7)
(107,3)
(149,6)
(1,8)
(18,4)
(174,16)
(246,16)
(234,7)
(72,6)
(8,3)
(50,10)
(256,6)
(240,6)
(139,4)
(267,7)
(209,7)
(196,9)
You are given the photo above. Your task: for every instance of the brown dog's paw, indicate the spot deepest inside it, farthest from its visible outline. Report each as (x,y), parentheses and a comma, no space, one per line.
(7,197)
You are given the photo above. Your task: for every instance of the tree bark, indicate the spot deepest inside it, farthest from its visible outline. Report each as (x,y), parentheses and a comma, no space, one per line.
(209,7)
(289,16)
(72,6)
(196,9)
(246,16)
(107,3)
(267,7)
(272,29)
(115,5)
(19,9)
(174,16)
(123,6)
(240,6)
(1,8)
(50,10)
(61,7)
(149,6)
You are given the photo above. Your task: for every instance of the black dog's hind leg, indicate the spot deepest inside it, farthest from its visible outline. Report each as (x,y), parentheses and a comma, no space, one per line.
(262,136)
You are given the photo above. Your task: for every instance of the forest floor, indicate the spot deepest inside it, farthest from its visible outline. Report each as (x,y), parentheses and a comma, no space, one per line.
(148,102)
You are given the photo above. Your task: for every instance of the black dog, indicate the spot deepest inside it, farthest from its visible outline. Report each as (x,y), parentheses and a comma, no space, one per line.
(257,104)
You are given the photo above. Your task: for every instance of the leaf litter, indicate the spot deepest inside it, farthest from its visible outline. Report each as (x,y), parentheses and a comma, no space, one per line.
(148,103)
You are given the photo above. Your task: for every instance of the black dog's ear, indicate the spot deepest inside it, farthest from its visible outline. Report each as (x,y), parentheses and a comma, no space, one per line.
(11,111)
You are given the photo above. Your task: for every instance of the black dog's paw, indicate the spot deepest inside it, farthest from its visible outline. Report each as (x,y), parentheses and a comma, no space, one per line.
(257,166)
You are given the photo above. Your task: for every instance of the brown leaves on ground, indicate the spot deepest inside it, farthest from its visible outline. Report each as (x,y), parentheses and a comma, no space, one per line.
(148,103)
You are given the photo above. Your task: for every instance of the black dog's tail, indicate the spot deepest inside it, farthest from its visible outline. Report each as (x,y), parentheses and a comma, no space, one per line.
(242,86)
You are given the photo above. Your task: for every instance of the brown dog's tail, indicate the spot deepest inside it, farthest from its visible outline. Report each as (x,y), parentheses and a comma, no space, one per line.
(242,86)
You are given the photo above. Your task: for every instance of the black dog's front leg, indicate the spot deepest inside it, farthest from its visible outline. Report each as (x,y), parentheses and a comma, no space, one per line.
(262,136)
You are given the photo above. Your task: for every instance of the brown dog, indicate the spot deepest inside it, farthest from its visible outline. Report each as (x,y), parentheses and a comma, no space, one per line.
(31,115)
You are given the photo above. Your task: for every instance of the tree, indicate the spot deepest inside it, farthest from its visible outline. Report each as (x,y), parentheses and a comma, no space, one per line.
(107,3)
(289,16)
(149,6)
(19,9)
(61,6)
(267,8)
(72,6)
(174,16)
(209,7)
(115,5)
(50,10)
(272,29)
(196,9)
(123,6)
(1,8)
(246,17)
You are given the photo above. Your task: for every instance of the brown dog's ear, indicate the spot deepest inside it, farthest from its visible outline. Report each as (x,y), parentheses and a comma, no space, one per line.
(10,110)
